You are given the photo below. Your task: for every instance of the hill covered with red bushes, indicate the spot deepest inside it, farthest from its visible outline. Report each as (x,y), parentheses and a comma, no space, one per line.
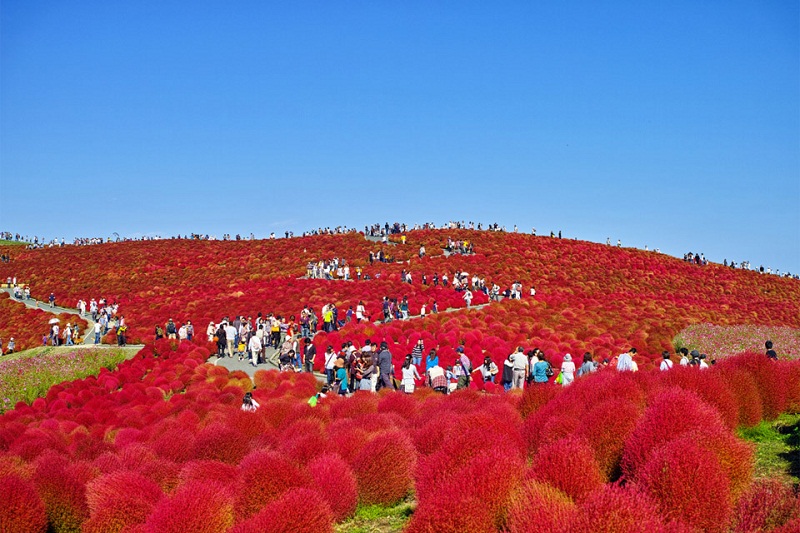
(160,444)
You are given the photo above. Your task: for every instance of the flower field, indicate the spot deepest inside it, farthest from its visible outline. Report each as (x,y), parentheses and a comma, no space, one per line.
(721,341)
(161,444)
(25,378)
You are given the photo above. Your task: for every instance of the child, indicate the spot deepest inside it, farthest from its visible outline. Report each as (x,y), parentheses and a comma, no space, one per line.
(314,400)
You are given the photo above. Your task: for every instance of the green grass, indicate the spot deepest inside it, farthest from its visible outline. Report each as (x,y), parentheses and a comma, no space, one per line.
(777,447)
(378,519)
(4,242)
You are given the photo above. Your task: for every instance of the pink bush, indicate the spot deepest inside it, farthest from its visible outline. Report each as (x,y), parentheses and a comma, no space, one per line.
(618,509)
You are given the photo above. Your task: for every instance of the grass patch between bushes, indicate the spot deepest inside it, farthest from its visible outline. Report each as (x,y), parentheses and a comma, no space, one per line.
(777,447)
(378,519)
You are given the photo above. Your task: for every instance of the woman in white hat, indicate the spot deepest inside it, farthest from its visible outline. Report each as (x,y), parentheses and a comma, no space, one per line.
(567,370)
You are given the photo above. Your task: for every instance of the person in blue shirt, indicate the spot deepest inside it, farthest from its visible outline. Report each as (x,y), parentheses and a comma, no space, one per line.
(540,369)
(432,360)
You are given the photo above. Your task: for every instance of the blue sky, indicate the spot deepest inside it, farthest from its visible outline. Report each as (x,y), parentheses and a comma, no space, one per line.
(669,124)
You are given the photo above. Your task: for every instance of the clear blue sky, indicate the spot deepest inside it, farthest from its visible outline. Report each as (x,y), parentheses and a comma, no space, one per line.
(668,124)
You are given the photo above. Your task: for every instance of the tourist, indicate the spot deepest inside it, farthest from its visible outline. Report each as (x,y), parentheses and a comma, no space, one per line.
(508,372)
(254,345)
(625,361)
(309,353)
(520,368)
(416,352)
(771,354)
(488,370)
(341,377)
(385,367)
(249,404)
(666,364)
(567,370)
(542,371)
(410,375)
(589,366)
(330,364)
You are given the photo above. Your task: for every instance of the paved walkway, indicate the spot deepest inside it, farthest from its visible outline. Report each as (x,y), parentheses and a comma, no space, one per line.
(88,335)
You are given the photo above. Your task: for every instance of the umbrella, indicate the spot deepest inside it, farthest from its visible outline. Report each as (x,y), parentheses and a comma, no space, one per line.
(54,321)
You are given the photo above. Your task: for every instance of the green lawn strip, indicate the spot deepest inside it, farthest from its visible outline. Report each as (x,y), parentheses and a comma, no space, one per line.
(777,443)
(4,242)
(378,519)
(28,375)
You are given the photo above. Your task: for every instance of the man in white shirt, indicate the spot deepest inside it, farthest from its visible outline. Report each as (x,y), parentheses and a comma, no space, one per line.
(625,361)
(230,336)
(520,367)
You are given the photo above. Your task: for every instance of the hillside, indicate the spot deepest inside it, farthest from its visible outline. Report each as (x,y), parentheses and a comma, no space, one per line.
(589,297)
(160,443)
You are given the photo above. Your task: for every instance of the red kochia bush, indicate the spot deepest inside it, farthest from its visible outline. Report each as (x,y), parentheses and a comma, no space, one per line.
(198,506)
(711,387)
(537,506)
(769,503)
(297,511)
(22,511)
(263,477)
(745,391)
(606,427)
(688,484)
(220,442)
(334,480)
(617,509)
(62,488)
(569,465)
(672,413)
(384,468)
(124,486)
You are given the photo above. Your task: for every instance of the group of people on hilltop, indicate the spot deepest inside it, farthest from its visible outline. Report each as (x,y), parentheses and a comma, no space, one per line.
(336,268)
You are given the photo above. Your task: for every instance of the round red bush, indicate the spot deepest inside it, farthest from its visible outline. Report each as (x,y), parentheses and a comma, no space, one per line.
(569,465)
(537,506)
(767,504)
(672,413)
(298,511)
(334,479)
(384,469)
(688,484)
(198,506)
(22,510)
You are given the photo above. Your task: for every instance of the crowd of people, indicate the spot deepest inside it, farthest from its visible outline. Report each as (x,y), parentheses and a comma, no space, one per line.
(374,230)
(336,268)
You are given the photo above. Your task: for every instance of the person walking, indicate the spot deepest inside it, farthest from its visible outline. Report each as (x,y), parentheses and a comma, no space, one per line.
(385,366)
(520,367)
(410,375)
(567,370)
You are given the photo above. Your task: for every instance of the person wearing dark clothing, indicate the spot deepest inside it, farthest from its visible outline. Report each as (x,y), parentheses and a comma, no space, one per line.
(771,354)
(385,366)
